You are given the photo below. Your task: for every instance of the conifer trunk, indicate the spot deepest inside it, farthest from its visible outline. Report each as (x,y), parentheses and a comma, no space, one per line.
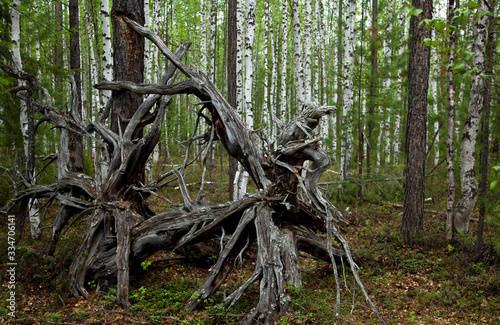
(416,130)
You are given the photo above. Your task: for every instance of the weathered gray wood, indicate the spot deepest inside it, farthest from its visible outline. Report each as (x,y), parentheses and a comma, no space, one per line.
(281,218)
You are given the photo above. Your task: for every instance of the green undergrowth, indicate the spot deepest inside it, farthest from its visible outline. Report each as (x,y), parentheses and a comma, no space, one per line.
(433,281)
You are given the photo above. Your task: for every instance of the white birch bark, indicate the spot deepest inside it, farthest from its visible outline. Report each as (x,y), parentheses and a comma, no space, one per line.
(450,143)
(148,55)
(94,65)
(240,21)
(284,56)
(203,35)
(249,115)
(307,52)
(298,53)
(274,87)
(107,75)
(348,71)
(213,34)
(23,118)
(468,180)
(37,46)
(435,106)
(107,55)
(321,66)
(401,98)
(156,73)
(238,182)
(334,63)
(265,48)
(249,40)
(387,55)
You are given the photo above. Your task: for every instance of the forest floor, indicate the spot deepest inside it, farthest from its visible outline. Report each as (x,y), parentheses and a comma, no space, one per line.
(434,281)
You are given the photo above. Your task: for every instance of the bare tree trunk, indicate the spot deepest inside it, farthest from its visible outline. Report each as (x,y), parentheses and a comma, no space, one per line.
(76,140)
(107,75)
(413,208)
(231,80)
(450,201)
(298,53)
(373,84)
(284,59)
(483,185)
(348,86)
(306,62)
(29,207)
(469,189)
(360,122)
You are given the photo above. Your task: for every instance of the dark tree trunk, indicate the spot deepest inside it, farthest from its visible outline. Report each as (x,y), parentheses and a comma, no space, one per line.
(128,58)
(76,140)
(419,64)
(231,80)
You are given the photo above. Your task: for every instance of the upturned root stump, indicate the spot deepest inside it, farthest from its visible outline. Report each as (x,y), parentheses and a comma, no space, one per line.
(283,217)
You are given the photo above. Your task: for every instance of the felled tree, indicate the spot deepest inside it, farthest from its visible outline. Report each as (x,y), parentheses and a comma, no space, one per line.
(284,216)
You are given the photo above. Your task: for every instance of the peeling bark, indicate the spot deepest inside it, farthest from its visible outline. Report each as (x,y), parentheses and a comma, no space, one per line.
(469,186)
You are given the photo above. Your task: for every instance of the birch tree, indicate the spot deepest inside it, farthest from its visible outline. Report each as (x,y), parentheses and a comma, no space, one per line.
(231,81)
(107,58)
(468,182)
(284,60)
(249,70)
(298,53)
(348,72)
(308,36)
(29,207)
(373,83)
(450,143)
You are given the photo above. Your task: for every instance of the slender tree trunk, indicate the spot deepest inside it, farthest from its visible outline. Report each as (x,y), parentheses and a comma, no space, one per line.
(465,206)
(419,63)
(266,118)
(239,179)
(373,83)
(347,108)
(483,185)
(284,64)
(360,121)
(29,207)
(203,34)
(298,53)
(58,51)
(76,140)
(231,80)
(340,77)
(107,75)
(306,62)
(450,143)
(249,70)
(401,92)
